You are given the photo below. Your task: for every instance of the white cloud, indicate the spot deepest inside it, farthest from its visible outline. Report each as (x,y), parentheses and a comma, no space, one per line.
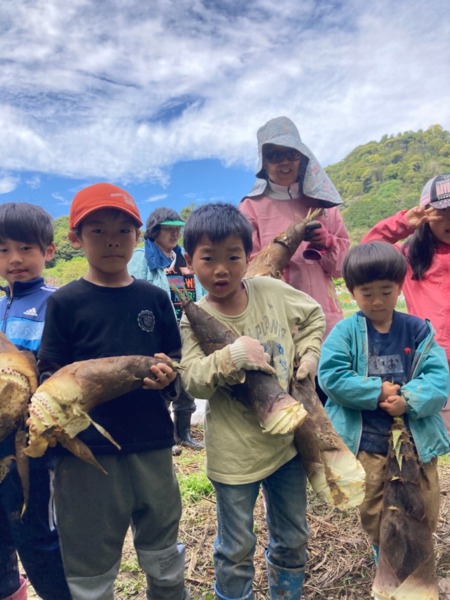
(8,183)
(33,182)
(60,199)
(156,198)
(124,90)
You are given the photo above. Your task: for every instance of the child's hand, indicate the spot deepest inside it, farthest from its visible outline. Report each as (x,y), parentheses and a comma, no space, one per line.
(388,389)
(163,375)
(418,215)
(308,366)
(248,353)
(394,406)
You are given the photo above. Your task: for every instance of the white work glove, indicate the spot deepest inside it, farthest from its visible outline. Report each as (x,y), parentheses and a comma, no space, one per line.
(247,353)
(308,366)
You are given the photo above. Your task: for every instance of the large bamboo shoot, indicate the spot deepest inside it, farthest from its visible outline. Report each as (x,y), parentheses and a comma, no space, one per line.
(59,408)
(276,410)
(18,381)
(406,569)
(333,471)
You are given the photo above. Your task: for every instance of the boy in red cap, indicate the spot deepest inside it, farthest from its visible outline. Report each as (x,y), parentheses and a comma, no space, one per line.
(108,313)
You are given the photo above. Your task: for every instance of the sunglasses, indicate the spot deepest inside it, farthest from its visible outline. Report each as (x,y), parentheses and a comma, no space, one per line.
(277,156)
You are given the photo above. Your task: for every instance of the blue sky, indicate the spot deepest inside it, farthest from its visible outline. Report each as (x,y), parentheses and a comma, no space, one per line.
(164,98)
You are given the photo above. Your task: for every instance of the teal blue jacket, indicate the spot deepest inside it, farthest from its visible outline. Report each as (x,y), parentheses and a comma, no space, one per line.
(343,377)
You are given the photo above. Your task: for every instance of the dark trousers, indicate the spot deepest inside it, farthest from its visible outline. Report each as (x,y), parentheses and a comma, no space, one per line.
(184,402)
(319,391)
(31,537)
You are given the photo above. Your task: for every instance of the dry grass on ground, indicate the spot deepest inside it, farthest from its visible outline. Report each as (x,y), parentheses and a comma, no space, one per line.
(340,563)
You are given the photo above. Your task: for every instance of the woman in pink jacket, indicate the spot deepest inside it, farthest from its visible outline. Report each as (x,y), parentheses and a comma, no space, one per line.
(290,182)
(427,249)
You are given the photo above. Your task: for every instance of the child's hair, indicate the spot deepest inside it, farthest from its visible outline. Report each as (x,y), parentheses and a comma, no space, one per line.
(373,261)
(24,222)
(419,250)
(216,221)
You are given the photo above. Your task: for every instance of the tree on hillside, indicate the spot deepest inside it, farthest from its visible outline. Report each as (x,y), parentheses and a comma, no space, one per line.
(380,178)
(64,249)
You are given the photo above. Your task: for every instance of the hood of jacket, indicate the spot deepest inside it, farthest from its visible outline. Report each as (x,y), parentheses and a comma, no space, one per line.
(313,180)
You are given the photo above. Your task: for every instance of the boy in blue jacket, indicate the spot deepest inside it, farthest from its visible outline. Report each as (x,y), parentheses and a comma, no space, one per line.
(379,364)
(26,244)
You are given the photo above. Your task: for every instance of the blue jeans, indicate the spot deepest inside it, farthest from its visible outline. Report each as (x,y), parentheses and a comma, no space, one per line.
(31,537)
(234,546)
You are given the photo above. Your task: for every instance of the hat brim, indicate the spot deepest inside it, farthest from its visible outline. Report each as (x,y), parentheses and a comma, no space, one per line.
(441,204)
(177,223)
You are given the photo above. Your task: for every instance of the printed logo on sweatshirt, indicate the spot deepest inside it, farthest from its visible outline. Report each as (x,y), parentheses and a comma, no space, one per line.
(146,320)
(31,312)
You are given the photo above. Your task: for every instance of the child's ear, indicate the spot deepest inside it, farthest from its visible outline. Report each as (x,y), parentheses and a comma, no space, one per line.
(74,240)
(50,252)
(188,260)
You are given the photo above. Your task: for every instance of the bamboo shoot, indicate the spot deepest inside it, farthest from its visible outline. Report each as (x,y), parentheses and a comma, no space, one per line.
(277,411)
(333,471)
(273,258)
(406,569)
(59,408)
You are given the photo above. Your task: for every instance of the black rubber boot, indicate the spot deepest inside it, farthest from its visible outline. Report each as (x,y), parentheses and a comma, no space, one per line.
(176,450)
(182,421)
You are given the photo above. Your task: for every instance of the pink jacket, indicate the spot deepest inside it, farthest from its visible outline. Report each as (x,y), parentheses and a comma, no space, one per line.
(269,217)
(428,298)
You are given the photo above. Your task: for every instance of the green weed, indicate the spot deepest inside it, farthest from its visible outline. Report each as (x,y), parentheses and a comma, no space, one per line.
(194,487)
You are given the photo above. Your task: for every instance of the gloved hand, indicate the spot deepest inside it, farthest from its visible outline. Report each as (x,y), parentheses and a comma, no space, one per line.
(318,236)
(308,366)
(248,353)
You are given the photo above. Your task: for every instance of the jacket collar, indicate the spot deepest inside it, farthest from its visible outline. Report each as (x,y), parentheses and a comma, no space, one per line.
(23,288)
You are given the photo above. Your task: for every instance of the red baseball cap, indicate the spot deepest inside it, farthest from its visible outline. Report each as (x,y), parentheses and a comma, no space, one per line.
(101,195)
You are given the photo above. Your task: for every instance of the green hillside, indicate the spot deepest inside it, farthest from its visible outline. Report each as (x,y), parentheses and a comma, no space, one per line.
(380,178)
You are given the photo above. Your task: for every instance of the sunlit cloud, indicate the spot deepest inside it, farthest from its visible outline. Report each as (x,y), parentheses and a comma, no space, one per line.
(123,91)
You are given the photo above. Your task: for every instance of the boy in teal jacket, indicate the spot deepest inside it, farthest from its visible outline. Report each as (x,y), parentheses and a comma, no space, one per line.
(379,364)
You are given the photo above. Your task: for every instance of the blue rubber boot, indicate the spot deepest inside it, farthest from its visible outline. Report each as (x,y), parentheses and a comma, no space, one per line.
(284,584)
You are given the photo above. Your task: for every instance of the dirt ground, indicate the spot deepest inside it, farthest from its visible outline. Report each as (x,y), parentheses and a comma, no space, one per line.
(340,564)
